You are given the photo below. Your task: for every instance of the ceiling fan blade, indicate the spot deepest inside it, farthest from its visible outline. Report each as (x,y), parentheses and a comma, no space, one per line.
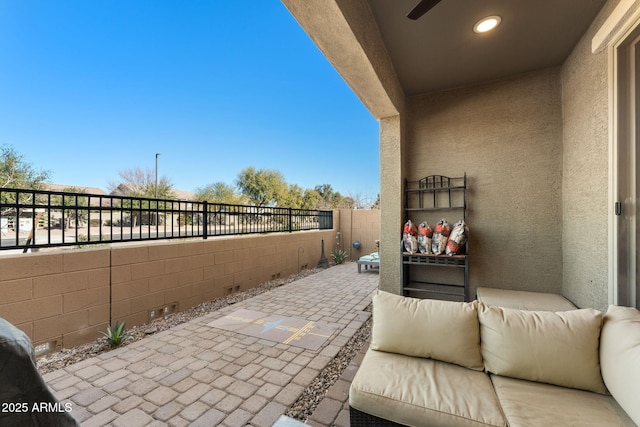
(423,7)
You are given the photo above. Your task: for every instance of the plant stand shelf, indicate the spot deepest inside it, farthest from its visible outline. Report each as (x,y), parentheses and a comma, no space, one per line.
(423,274)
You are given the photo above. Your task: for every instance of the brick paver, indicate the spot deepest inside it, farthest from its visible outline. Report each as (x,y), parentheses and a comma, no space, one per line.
(333,410)
(194,374)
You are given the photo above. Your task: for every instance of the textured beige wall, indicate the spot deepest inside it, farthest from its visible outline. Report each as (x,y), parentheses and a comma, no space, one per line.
(507,136)
(585,172)
(538,197)
(391,157)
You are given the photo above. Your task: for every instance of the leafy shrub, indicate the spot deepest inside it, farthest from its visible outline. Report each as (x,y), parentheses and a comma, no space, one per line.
(339,256)
(116,336)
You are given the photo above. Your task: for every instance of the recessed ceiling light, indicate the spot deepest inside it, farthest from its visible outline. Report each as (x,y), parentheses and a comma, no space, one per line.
(487,24)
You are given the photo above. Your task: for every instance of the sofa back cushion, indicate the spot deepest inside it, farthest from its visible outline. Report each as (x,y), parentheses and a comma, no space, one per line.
(558,348)
(441,330)
(620,357)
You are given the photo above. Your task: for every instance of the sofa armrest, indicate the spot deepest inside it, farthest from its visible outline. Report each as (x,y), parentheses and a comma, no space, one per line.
(620,357)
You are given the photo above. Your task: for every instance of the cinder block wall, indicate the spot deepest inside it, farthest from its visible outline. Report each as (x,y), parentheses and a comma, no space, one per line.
(359,225)
(60,297)
(67,296)
(152,276)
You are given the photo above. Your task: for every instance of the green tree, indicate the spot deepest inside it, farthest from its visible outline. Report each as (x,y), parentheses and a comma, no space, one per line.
(299,198)
(17,173)
(293,197)
(311,199)
(263,187)
(329,199)
(218,192)
(72,215)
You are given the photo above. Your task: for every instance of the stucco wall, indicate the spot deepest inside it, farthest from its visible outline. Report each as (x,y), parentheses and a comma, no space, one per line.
(585,172)
(507,136)
(534,146)
(392,145)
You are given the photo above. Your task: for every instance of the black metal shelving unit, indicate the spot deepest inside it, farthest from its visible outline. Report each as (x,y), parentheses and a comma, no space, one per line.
(432,196)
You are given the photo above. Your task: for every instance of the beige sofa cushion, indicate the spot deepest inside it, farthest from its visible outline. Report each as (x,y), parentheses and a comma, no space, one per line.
(523,300)
(441,330)
(532,404)
(620,357)
(556,348)
(423,392)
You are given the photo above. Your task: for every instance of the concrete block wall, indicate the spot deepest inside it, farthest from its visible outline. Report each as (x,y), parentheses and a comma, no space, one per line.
(149,277)
(60,298)
(67,296)
(360,225)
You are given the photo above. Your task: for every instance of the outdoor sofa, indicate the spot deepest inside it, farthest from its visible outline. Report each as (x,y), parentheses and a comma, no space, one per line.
(440,363)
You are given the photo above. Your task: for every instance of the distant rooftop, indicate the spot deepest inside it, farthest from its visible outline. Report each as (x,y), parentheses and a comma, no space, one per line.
(88,190)
(121,190)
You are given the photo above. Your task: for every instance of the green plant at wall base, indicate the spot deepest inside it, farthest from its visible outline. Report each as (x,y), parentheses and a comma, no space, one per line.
(82,238)
(116,335)
(339,256)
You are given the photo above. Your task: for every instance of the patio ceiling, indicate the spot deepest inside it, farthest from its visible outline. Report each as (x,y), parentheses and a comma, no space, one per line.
(441,51)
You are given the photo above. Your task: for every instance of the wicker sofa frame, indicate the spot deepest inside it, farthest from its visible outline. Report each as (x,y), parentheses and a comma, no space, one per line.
(362,419)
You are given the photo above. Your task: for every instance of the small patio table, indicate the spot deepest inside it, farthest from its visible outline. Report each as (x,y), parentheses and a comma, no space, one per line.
(371,260)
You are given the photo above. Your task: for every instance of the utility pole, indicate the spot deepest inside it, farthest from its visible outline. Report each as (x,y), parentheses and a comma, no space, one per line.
(157,155)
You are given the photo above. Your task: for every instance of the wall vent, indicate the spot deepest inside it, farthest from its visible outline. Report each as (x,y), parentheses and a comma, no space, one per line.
(163,312)
(170,309)
(45,348)
(231,290)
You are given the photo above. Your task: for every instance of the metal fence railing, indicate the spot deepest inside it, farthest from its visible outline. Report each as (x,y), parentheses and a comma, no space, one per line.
(37,219)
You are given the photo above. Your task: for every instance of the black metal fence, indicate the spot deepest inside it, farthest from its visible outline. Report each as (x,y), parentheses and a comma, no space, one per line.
(37,219)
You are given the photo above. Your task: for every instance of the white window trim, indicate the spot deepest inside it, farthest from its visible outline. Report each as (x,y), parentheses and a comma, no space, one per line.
(613,33)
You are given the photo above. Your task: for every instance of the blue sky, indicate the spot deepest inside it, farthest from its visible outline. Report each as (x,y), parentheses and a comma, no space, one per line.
(89,88)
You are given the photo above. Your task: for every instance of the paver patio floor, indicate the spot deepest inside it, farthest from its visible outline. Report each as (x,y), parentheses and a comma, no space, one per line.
(197,375)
